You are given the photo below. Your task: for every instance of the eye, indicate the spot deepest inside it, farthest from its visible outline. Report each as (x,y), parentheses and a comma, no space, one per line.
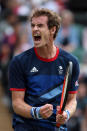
(32,25)
(40,25)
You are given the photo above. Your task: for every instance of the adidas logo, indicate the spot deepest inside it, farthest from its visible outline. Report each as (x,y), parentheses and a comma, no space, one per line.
(34,69)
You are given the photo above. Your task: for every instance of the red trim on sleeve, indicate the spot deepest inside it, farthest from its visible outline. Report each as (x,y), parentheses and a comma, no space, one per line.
(45,59)
(15,89)
(72,92)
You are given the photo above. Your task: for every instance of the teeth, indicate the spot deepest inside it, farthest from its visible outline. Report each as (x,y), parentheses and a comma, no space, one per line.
(36,35)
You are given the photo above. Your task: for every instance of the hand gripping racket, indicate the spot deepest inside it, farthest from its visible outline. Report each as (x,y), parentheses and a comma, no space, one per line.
(66,86)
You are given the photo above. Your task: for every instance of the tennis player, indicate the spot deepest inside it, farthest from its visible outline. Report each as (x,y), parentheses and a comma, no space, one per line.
(36,79)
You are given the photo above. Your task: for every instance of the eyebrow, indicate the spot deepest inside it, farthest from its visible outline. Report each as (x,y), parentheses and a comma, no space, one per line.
(37,24)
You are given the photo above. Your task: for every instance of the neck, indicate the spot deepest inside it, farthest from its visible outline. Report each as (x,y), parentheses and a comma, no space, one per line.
(47,51)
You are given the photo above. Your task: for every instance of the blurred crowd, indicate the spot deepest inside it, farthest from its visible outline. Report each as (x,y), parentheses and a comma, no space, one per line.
(16,37)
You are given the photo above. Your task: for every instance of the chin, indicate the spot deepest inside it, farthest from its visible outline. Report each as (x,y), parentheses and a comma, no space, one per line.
(37,44)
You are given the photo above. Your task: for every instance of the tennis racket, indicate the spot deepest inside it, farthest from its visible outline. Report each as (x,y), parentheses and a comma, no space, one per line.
(66,86)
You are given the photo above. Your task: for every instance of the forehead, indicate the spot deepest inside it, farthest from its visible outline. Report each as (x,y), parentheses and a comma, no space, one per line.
(39,20)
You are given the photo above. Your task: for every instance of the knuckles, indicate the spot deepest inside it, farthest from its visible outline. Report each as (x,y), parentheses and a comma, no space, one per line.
(46,110)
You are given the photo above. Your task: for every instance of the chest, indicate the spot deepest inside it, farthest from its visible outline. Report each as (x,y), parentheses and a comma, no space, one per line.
(43,76)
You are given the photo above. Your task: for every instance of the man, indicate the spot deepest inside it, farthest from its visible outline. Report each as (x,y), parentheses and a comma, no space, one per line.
(36,78)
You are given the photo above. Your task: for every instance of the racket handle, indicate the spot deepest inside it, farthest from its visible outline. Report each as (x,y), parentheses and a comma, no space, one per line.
(57,124)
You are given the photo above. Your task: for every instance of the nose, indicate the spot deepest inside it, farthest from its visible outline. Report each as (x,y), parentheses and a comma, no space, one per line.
(35,28)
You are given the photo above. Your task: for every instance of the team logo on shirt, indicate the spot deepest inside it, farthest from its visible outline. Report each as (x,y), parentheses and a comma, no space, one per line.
(76,83)
(34,69)
(60,70)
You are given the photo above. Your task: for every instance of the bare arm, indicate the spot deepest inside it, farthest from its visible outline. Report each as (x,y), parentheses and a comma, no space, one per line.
(19,105)
(23,109)
(70,106)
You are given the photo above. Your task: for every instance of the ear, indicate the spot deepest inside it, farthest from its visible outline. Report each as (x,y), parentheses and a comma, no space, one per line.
(53,29)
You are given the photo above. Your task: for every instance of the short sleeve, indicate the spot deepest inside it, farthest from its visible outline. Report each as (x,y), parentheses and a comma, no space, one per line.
(16,76)
(75,76)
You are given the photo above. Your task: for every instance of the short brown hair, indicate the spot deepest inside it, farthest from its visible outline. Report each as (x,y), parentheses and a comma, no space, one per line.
(53,18)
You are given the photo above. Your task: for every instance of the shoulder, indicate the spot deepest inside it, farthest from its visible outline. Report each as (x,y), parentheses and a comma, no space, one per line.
(22,59)
(68,57)
(23,56)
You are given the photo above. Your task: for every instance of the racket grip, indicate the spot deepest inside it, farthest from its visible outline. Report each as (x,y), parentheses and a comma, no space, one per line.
(57,124)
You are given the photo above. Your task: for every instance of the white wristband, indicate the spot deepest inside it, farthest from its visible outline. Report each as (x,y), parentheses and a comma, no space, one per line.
(68,114)
(35,113)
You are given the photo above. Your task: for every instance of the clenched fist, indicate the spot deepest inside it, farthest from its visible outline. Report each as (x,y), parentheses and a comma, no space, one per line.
(61,118)
(46,111)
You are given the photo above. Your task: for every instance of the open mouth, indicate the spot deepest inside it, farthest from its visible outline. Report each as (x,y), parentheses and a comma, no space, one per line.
(37,38)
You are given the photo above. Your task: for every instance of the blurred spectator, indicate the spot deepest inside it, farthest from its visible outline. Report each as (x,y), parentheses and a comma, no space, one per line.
(85,39)
(36,3)
(68,36)
(22,42)
(3,6)
(84,120)
(6,27)
(11,4)
(5,57)
(51,4)
(81,111)
(22,12)
(62,4)
(82,94)
(22,29)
